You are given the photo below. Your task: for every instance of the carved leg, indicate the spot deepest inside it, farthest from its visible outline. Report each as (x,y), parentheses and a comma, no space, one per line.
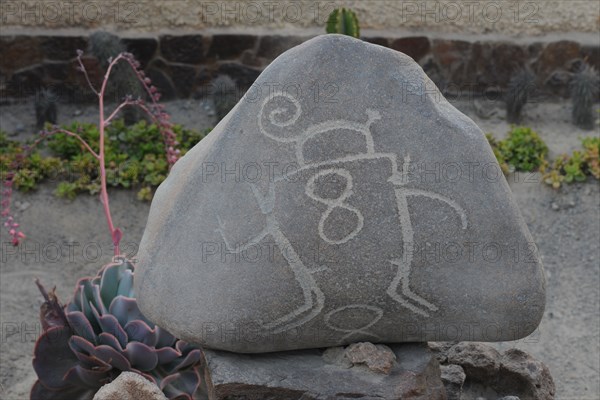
(306,281)
(402,279)
(404,283)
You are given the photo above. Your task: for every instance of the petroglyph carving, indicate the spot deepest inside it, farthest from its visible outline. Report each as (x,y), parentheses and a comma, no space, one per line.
(334,203)
(273,124)
(360,330)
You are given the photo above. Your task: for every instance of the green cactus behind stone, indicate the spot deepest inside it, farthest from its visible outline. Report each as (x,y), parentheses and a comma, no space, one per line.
(519,91)
(584,91)
(343,21)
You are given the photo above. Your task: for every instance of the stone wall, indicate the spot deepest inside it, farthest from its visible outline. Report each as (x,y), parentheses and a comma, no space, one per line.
(184,65)
(504,17)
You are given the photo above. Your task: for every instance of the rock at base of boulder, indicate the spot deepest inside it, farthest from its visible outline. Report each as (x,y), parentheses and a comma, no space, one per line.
(377,358)
(314,374)
(513,374)
(453,377)
(130,386)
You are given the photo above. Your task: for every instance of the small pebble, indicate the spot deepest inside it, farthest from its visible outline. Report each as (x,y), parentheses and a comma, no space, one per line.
(555,206)
(22,206)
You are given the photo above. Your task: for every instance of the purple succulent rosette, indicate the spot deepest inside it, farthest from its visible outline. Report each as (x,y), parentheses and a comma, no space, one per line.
(101,333)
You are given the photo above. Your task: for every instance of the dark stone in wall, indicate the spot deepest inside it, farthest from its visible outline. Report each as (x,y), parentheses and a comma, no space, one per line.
(174,80)
(19,52)
(26,81)
(433,71)
(508,58)
(162,83)
(183,77)
(187,49)
(203,77)
(189,62)
(243,76)
(452,57)
(555,56)
(202,84)
(227,47)
(143,49)
(492,64)
(272,46)
(55,71)
(535,49)
(381,41)
(62,48)
(159,72)
(416,47)
(480,68)
(591,55)
(94,72)
(249,58)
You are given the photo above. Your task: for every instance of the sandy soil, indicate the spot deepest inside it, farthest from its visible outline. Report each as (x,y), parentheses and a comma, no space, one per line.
(68,240)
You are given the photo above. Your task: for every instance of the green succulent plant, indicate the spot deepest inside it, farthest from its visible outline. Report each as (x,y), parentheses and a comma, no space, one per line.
(343,21)
(591,146)
(100,334)
(135,159)
(523,148)
(574,168)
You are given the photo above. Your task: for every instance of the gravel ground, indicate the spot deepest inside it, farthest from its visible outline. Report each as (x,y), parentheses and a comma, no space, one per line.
(565,224)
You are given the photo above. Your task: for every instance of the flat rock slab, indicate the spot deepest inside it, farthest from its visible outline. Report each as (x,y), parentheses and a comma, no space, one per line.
(343,199)
(307,375)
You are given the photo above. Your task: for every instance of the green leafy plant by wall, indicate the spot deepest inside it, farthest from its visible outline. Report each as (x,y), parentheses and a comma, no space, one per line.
(135,158)
(35,168)
(591,155)
(523,149)
(574,168)
(344,22)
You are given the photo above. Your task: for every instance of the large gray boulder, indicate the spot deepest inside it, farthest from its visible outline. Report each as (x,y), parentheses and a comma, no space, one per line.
(343,199)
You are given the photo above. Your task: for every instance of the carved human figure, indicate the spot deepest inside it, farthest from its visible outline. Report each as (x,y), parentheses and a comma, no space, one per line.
(345,183)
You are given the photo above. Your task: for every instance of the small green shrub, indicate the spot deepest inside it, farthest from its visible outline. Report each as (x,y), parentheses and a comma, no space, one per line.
(551,175)
(66,190)
(35,168)
(591,146)
(574,168)
(135,158)
(523,149)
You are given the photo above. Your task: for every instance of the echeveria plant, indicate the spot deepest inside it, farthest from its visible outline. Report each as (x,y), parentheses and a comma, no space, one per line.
(101,332)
